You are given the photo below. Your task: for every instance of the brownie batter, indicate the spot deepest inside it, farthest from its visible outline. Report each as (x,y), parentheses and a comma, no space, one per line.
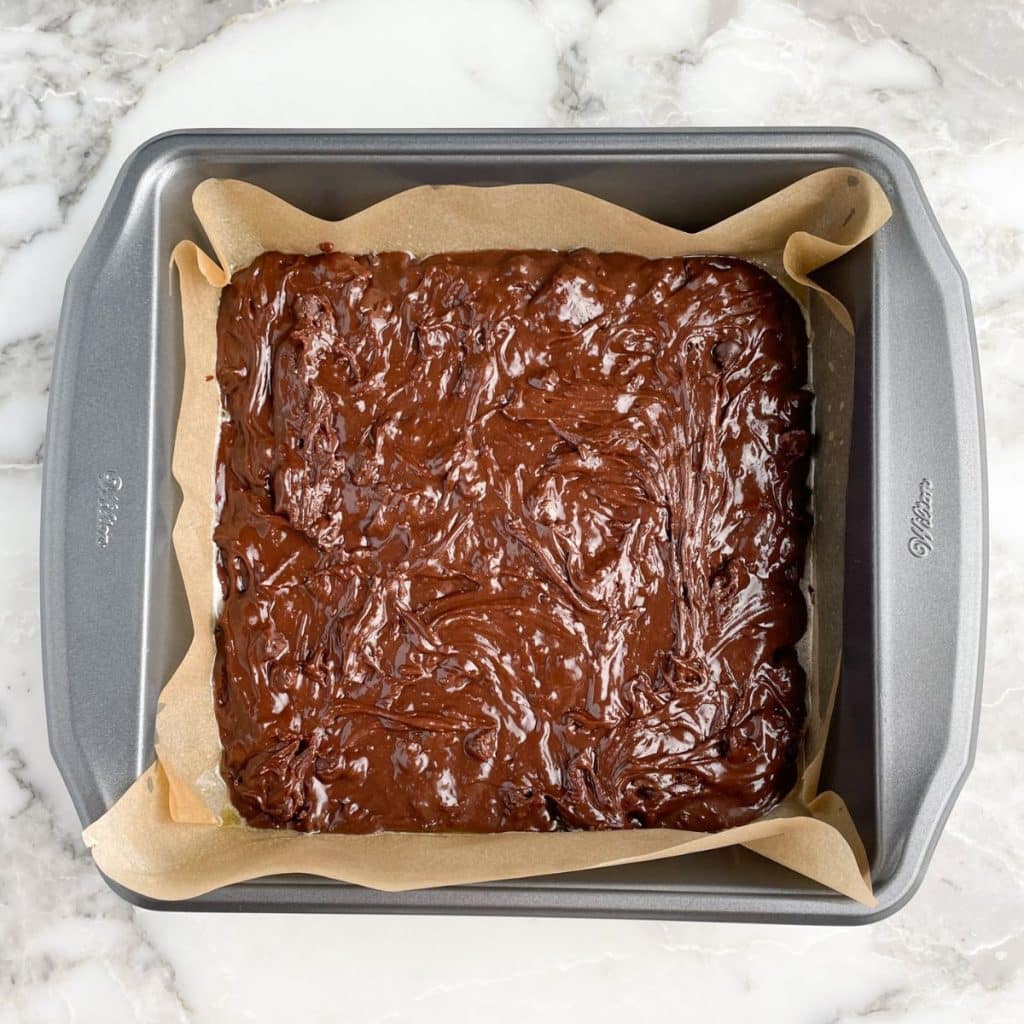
(510,541)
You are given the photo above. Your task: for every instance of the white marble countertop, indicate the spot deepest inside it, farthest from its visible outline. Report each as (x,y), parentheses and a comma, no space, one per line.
(82,84)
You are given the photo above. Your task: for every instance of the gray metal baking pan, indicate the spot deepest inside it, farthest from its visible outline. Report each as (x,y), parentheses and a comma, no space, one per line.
(113,608)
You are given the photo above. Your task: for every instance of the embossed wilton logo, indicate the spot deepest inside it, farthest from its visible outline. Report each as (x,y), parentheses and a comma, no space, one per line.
(108,504)
(922,536)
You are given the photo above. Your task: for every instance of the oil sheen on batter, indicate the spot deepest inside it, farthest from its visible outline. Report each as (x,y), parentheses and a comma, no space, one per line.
(510,541)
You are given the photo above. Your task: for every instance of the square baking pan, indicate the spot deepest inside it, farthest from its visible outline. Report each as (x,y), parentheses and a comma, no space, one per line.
(114,617)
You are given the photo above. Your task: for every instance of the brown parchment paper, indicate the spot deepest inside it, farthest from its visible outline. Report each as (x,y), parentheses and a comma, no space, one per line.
(174,834)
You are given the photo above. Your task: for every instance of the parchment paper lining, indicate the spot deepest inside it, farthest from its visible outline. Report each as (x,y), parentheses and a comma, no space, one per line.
(166,837)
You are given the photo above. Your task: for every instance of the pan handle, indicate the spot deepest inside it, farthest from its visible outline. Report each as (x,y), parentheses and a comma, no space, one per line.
(105,464)
(931,541)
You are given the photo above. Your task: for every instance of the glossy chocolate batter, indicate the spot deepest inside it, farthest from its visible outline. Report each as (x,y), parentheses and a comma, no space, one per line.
(510,541)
